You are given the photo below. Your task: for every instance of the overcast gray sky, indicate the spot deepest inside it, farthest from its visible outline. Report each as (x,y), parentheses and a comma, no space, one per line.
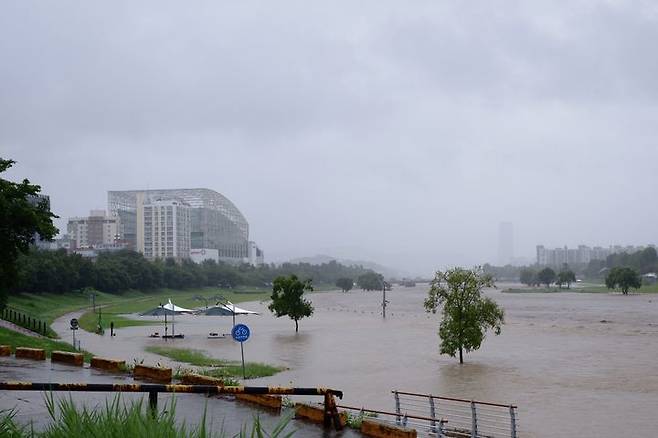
(399,132)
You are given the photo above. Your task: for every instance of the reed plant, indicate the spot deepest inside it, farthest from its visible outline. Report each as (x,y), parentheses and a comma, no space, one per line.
(120,420)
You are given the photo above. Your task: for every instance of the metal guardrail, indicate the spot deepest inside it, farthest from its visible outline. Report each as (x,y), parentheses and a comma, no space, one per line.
(439,425)
(465,418)
(330,411)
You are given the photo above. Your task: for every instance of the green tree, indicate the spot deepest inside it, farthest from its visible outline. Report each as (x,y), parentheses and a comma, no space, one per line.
(528,276)
(624,278)
(287,298)
(345,284)
(466,313)
(370,281)
(22,216)
(566,277)
(546,276)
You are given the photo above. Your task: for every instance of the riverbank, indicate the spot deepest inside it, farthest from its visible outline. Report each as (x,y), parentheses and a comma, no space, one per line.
(15,339)
(49,307)
(582,288)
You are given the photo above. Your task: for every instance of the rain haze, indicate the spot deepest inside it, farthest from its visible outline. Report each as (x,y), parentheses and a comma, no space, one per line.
(402,133)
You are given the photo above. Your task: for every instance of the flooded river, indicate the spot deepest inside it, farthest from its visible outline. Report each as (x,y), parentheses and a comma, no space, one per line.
(576,364)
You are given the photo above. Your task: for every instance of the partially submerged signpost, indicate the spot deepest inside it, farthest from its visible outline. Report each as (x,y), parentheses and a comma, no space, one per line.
(240,333)
(74,326)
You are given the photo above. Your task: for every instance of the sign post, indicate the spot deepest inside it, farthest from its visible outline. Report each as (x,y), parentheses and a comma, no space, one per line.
(240,333)
(74,327)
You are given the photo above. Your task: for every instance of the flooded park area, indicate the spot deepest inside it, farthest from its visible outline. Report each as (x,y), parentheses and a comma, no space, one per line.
(575,364)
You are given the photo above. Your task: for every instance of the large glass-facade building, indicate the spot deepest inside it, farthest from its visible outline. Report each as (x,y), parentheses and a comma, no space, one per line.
(215,222)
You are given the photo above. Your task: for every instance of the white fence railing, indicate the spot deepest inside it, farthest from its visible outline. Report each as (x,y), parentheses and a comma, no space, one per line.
(465,418)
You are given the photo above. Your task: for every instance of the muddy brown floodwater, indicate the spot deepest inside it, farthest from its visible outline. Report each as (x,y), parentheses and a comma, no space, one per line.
(581,365)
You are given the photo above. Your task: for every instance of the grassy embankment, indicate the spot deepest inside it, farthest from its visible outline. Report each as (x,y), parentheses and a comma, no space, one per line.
(49,307)
(590,288)
(215,367)
(10,337)
(140,302)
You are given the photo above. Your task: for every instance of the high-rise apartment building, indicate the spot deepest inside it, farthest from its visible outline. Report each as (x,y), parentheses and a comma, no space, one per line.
(581,255)
(94,230)
(505,243)
(166,229)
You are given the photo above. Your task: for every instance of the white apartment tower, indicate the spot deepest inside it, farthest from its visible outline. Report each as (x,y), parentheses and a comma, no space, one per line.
(166,229)
(256,257)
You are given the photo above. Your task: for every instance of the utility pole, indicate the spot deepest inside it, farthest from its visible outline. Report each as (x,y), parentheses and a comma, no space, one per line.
(100,320)
(384,299)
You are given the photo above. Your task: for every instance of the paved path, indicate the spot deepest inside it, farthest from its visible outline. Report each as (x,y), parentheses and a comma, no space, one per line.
(223,413)
(19,329)
(117,347)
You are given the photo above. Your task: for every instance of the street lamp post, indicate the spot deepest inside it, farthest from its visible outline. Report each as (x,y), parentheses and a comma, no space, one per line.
(165,321)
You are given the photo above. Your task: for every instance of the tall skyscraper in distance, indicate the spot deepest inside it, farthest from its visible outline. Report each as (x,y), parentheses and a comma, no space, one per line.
(505,243)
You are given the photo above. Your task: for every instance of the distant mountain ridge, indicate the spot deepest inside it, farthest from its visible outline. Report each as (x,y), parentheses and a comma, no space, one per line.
(386,271)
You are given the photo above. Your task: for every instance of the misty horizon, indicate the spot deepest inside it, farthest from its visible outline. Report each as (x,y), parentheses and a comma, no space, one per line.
(377,131)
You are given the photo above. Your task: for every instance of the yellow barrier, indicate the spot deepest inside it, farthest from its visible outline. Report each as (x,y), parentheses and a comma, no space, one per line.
(76,359)
(157,374)
(30,353)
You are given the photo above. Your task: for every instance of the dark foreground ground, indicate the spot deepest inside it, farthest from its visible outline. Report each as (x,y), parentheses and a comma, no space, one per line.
(223,413)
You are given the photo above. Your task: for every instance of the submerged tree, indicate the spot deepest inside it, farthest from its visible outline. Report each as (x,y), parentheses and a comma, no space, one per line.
(566,277)
(466,313)
(528,276)
(624,278)
(345,284)
(23,216)
(546,276)
(370,281)
(287,298)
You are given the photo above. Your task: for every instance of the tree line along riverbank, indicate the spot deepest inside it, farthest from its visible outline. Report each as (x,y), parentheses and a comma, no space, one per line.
(42,271)
(587,288)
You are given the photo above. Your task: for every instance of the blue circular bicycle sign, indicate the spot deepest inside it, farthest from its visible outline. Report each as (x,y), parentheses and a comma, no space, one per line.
(240,332)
